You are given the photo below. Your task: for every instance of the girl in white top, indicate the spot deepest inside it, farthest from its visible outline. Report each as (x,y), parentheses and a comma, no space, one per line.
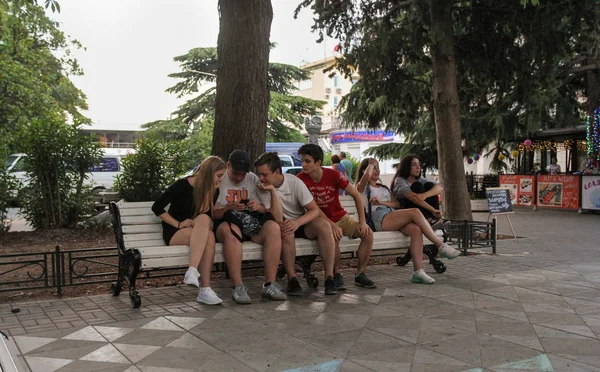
(553,168)
(385,217)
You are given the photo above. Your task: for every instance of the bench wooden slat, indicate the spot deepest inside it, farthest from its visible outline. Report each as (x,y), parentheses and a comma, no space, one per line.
(164,262)
(138,237)
(140,220)
(140,229)
(164,251)
(136,212)
(127,205)
(147,243)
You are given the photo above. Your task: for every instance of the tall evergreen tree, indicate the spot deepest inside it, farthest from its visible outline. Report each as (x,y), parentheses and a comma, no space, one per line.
(193,121)
(518,68)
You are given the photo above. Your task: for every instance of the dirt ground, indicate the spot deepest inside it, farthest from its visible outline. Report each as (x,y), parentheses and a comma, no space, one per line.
(75,239)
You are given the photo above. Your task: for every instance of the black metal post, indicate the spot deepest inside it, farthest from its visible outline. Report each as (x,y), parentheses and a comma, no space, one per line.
(465,236)
(58,277)
(494,240)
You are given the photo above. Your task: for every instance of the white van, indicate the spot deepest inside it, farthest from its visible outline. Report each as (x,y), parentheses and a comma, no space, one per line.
(102,176)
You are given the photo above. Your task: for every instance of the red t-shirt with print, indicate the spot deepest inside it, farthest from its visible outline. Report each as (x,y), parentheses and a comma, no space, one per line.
(327,192)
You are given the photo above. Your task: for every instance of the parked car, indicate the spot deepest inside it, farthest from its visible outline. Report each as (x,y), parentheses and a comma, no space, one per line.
(287,151)
(102,175)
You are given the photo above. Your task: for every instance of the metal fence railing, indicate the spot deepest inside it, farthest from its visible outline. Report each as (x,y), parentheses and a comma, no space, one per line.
(63,268)
(472,235)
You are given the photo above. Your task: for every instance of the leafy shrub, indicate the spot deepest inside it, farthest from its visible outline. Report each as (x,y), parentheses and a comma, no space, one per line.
(58,164)
(355,162)
(150,170)
(8,189)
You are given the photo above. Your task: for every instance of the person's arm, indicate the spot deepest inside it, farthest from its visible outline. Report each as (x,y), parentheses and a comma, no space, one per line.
(312,212)
(435,190)
(394,203)
(363,229)
(275,204)
(351,190)
(364,181)
(160,204)
(220,210)
(416,199)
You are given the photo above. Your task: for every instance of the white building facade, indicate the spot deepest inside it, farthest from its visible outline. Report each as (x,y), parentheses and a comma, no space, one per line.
(331,87)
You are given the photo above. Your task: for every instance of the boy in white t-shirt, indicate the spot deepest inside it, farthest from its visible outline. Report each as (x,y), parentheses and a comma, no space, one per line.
(300,220)
(240,191)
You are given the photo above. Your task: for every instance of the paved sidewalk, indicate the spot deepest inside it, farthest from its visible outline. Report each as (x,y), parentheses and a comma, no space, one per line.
(535,306)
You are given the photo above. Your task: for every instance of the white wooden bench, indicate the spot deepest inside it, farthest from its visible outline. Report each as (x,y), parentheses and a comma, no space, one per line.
(138,234)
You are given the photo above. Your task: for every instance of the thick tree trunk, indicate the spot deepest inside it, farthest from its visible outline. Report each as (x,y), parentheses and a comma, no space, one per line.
(592,81)
(456,201)
(242,100)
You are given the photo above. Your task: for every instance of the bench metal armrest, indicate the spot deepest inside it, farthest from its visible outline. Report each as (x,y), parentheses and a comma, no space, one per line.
(8,358)
(117,226)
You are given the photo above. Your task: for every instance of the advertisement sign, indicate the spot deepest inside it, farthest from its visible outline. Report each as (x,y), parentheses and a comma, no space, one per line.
(362,136)
(590,192)
(498,199)
(558,191)
(521,188)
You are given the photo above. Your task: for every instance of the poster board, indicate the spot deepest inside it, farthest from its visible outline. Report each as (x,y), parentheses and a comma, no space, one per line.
(499,200)
(522,188)
(590,192)
(558,191)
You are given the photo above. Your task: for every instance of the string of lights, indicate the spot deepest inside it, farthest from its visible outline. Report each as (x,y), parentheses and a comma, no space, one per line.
(593,132)
(553,145)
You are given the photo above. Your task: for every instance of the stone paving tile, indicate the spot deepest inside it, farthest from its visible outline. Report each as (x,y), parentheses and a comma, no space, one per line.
(535,304)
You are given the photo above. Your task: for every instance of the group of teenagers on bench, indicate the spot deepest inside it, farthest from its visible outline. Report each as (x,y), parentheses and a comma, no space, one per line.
(227,203)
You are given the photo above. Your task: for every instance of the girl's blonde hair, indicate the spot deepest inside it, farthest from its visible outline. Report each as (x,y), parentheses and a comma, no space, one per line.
(204,184)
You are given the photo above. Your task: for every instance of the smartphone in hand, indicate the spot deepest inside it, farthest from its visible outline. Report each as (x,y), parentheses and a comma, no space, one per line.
(245,201)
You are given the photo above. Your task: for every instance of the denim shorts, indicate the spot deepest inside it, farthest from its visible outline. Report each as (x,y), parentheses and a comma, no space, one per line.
(378,215)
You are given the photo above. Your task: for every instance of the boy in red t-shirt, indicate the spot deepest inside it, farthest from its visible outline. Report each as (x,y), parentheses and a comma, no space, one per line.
(325,185)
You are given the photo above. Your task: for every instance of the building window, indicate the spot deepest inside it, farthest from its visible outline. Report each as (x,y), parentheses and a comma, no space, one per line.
(335,78)
(335,101)
(304,84)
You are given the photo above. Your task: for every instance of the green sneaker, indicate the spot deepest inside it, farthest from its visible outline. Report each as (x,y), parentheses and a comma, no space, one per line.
(421,276)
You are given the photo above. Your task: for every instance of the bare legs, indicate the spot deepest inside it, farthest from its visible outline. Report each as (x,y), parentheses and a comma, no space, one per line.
(270,237)
(416,244)
(232,250)
(320,229)
(395,220)
(201,240)
(364,251)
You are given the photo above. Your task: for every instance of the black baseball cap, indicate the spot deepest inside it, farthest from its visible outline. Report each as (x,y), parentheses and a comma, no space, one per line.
(240,161)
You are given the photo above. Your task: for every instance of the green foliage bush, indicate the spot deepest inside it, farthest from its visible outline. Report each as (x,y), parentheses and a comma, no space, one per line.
(8,189)
(355,162)
(150,170)
(59,159)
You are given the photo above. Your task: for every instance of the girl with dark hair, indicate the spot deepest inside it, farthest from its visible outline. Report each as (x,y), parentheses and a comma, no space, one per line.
(380,209)
(414,191)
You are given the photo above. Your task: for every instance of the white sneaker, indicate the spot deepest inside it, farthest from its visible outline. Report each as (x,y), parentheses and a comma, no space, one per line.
(208,296)
(191,277)
(420,276)
(448,252)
